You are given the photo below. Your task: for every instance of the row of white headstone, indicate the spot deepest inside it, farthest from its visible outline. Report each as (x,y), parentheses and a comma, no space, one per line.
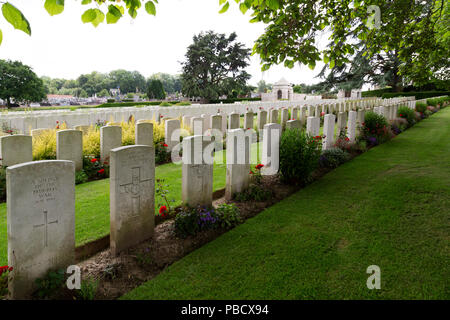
(41,196)
(24,122)
(15,149)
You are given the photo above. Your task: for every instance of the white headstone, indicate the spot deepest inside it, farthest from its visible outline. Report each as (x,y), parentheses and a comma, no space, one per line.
(351,126)
(69,146)
(41,221)
(110,138)
(16,149)
(271,148)
(248,120)
(261,119)
(234,121)
(144,133)
(238,162)
(197,177)
(132,196)
(172,133)
(313,126)
(328,131)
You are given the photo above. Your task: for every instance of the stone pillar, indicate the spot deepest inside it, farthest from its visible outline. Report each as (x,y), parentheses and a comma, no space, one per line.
(351,126)
(238,162)
(197,178)
(313,126)
(110,138)
(328,131)
(41,222)
(271,149)
(16,149)
(303,115)
(132,196)
(69,146)
(172,133)
(144,133)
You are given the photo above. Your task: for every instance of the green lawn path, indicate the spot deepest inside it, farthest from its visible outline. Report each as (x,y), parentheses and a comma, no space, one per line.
(389,207)
(92,203)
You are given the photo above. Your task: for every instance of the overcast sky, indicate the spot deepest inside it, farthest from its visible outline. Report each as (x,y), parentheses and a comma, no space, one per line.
(63,47)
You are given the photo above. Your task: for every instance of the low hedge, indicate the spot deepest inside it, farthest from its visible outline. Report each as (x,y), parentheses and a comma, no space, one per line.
(418,95)
(233,100)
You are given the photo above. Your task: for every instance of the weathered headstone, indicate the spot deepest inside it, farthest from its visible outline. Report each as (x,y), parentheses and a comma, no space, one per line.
(197,176)
(172,133)
(291,124)
(238,162)
(248,120)
(271,148)
(41,221)
(110,138)
(328,131)
(360,117)
(310,111)
(234,121)
(284,117)
(273,116)
(341,122)
(37,132)
(216,122)
(351,126)
(262,119)
(16,149)
(132,196)
(144,133)
(82,128)
(303,115)
(69,146)
(197,125)
(294,113)
(313,126)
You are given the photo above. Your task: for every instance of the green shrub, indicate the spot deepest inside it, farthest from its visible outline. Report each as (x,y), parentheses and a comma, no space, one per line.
(254,192)
(333,158)
(186,223)
(228,215)
(299,155)
(419,95)
(408,114)
(432,102)
(165,104)
(374,129)
(421,107)
(88,289)
(183,103)
(81,177)
(48,286)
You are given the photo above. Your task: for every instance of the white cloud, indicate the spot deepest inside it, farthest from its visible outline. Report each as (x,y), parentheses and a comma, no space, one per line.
(62,46)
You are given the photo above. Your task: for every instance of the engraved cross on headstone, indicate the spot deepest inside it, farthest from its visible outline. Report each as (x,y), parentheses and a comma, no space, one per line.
(134,189)
(45,225)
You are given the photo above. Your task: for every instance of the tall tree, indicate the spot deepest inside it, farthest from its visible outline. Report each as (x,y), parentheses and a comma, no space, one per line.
(155,89)
(18,82)
(214,66)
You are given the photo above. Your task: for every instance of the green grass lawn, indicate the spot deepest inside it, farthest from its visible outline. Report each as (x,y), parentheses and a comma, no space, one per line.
(389,207)
(92,203)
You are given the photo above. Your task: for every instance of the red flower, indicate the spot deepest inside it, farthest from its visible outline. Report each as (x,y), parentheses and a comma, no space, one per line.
(93,160)
(347,139)
(101,171)
(165,145)
(105,162)
(163,210)
(251,172)
(259,166)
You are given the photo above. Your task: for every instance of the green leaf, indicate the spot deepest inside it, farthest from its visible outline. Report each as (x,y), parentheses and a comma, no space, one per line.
(243,8)
(54,7)
(16,18)
(273,4)
(326,59)
(265,67)
(94,16)
(150,8)
(1,36)
(332,64)
(113,15)
(225,8)
(86,2)
(312,65)
(221,2)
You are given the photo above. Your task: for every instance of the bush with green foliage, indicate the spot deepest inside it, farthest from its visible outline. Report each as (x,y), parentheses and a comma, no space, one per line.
(2,183)
(48,286)
(408,114)
(421,107)
(333,158)
(81,177)
(88,289)
(254,192)
(375,129)
(417,95)
(299,156)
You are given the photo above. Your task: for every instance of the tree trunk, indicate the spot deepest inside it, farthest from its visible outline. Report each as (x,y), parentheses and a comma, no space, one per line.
(397,83)
(8,103)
